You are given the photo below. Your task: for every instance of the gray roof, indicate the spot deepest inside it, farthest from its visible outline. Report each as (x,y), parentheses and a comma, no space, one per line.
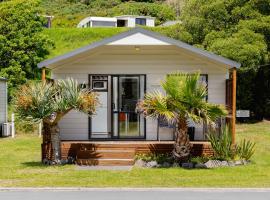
(155,35)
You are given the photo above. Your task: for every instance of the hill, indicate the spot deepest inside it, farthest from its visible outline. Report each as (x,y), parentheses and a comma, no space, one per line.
(68,13)
(68,39)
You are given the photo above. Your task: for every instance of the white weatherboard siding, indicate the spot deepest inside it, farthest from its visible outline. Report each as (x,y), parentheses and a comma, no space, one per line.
(154,61)
(150,22)
(3,102)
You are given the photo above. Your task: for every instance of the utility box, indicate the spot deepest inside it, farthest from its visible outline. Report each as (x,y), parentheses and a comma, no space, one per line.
(3,103)
(6,129)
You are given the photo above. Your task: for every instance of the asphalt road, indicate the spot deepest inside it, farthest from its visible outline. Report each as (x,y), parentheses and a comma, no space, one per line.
(138,194)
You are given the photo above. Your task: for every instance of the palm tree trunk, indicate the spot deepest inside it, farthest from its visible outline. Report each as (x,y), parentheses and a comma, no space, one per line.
(51,138)
(182,145)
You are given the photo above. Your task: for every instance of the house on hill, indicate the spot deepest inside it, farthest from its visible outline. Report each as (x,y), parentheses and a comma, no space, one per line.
(118,21)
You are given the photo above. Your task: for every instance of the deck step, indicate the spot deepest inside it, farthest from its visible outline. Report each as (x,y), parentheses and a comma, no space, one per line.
(105,162)
(106,154)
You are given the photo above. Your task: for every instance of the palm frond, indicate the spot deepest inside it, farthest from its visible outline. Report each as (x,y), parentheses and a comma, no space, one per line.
(37,100)
(155,105)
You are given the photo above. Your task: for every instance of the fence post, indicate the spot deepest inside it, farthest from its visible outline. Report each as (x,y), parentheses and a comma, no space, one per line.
(12,126)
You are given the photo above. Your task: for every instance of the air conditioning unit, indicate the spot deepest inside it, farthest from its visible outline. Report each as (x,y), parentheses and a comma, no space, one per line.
(6,130)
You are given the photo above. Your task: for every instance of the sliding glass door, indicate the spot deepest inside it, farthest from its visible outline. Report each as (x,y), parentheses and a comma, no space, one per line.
(126,91)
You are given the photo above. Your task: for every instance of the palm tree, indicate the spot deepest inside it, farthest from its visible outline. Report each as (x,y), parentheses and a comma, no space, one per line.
(185,100)
(48,103)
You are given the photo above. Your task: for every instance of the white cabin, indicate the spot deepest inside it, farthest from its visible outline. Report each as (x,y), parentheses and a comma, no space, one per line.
(118,21)
(122,69)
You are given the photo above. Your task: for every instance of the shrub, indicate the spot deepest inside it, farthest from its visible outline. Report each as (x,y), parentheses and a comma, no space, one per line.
(222,145)
(160,158)
(200,159)
(245,149)
(225,150)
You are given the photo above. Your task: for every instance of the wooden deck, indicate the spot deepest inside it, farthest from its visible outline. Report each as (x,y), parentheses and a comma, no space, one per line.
(120,152)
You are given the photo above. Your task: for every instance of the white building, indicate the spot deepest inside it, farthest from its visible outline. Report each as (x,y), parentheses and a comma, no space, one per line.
(118,21)
(122,69)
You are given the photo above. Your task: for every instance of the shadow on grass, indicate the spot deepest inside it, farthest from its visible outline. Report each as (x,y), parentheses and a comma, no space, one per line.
(34,164)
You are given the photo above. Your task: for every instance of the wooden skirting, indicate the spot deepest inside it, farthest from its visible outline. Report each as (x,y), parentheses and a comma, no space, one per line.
(143,147)
(118,152)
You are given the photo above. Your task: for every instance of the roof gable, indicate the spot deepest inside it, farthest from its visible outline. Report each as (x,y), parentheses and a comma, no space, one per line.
(138,39)
(139,36)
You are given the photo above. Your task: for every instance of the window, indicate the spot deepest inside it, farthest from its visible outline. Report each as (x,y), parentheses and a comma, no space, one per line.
(103,24)
(141,21)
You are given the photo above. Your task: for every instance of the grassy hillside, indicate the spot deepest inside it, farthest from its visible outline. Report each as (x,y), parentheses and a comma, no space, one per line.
(68,13)
(68,39)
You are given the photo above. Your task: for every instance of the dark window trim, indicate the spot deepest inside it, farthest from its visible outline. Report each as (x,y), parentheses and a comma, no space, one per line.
(112,137)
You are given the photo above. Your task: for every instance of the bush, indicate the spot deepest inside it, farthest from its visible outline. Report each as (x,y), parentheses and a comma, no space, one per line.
(160,158)
(200,159)
(222,145)
(225,150)
(245,149)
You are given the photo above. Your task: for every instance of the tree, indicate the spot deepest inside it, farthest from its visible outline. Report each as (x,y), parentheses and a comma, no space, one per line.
(22,45)
(184,100)
(235,29)
(48,103)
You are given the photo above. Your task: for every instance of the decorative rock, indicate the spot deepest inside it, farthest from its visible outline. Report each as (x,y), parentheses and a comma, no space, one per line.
(140,163)
(200,166)
(166,164)
(152,164)
(238,162)
(70,160)
(245,162)
(231,163)
(213,164)
(224,163)
(187,165)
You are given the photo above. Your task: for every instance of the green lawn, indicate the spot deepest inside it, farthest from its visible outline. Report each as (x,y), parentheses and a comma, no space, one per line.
(19,166)
(68,39)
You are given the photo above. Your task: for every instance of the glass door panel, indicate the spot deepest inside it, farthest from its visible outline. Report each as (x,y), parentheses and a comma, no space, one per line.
(126,93)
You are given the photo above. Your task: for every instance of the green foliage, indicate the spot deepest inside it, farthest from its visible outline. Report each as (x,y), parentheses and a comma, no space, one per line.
(245,46)
(176,32)
(37,101)
(22,45)
(200,159)
(245,149)
(224,148)
(222,145)
(68,13)
(160,158)
(235,29)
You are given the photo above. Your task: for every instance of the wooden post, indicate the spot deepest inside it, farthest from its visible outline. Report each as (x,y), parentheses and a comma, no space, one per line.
(43,75)
(233,104)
